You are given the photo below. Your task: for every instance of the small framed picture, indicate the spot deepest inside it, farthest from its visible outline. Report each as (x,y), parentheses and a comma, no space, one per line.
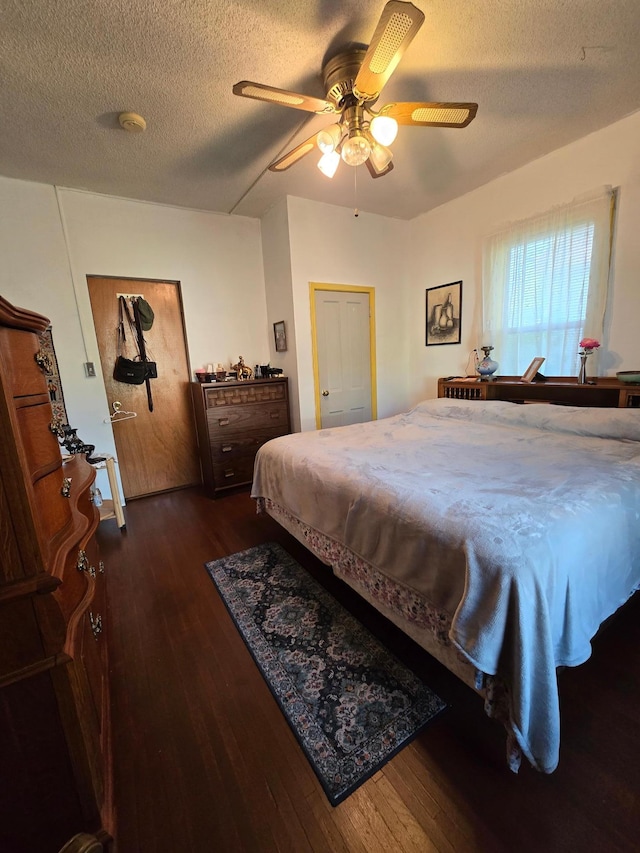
(530,373)
(280,336)
(444,314)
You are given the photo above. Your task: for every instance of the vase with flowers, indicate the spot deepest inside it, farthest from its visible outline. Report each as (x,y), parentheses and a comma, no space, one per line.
(588,346)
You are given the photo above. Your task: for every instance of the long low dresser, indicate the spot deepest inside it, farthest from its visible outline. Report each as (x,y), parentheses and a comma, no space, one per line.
(607,392)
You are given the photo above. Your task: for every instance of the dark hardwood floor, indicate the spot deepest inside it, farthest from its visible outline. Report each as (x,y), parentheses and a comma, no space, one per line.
(204,760)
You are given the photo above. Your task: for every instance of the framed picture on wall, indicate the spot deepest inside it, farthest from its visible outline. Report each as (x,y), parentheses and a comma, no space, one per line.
(444,314)
(280,336)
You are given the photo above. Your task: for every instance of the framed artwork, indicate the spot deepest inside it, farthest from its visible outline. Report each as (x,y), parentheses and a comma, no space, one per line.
(530,373)
(280,336)
(444,314)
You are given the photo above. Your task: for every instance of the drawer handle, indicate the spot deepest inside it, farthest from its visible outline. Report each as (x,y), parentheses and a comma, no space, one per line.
(101,567)
(96,624)
(82,563)
(91,571)
(223,421)
(229,472)
(44,362)
(65,491)
(227,448)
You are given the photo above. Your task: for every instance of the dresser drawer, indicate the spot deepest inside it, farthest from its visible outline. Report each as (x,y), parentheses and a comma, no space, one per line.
(250,417)
(243,393)
(241,445)
(79,569)
(23,374)
(235,472)
(41,447)
(53,508)
(93,634)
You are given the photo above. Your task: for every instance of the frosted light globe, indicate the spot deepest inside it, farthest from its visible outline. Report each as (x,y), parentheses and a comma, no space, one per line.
(356,150)
(384,129)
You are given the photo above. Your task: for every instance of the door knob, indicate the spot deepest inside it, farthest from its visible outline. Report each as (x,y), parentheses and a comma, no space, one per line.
(325,393)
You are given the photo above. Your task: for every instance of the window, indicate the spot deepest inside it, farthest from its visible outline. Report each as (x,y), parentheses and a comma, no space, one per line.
(545,286)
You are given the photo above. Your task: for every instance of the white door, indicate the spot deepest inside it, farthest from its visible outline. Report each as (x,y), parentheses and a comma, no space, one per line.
(344,356)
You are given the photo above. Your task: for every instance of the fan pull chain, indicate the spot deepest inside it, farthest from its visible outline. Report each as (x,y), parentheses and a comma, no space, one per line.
(356,212)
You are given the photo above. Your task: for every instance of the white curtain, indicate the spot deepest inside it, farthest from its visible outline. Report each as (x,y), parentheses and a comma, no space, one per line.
(544,286)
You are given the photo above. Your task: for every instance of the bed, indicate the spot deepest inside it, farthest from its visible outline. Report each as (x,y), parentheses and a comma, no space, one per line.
(498,536)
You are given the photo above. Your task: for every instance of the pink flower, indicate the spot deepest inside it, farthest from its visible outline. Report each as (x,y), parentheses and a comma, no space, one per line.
(589,343)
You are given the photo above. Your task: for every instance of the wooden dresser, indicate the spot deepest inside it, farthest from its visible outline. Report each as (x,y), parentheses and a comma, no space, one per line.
(233,420)
(54,699)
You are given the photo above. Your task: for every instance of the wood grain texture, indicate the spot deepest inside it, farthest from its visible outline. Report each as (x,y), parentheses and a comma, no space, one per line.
(204,759)
(52,764)
(606,391)
(233,420)
(156,450)
(22,371)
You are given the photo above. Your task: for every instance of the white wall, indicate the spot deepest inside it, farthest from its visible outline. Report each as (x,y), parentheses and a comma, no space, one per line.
(276,254)
(330,245)
(217,260)
(446,245)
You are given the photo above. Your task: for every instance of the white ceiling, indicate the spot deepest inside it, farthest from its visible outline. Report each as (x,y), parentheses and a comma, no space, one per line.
(543,72)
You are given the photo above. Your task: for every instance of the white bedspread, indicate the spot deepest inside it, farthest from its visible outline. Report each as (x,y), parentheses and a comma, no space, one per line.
(520,521)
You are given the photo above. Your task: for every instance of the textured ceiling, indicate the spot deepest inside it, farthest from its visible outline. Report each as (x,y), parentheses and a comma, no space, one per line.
(543,72)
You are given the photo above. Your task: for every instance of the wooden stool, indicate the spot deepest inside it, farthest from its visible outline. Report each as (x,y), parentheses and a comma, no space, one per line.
(111,508)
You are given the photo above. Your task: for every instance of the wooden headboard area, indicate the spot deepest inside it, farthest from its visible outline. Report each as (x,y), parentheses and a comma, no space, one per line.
(607,392)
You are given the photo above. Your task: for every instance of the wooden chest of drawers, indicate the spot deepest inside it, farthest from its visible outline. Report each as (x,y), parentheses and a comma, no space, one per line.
(233,420)
(54,698)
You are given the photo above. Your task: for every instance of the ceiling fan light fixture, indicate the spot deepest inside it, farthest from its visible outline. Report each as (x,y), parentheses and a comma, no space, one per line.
(380,156)
(384,129)
(353,81)
(329,138)
(328,163)
(356,149)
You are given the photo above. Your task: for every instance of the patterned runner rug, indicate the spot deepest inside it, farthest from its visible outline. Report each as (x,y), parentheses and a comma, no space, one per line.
(351,704)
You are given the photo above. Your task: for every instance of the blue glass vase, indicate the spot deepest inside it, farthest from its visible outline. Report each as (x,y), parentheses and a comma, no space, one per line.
(487,367)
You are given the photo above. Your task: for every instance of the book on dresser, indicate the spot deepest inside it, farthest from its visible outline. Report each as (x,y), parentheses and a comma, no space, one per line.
(234,419)
(54,692)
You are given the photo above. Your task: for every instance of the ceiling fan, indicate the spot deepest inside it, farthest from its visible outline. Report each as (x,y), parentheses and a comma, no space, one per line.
(353,82)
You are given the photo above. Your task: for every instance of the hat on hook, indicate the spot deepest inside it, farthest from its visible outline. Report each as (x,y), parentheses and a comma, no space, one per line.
(146,314)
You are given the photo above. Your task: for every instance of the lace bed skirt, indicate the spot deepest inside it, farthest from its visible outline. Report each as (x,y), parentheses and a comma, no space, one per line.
(412,613)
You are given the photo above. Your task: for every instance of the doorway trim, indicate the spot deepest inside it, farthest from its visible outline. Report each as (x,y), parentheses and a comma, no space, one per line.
(315,286)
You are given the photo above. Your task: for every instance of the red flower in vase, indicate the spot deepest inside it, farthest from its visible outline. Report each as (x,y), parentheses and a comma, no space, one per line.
(588,345)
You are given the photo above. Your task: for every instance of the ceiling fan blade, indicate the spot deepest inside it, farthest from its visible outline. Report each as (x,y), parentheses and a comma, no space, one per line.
(396,29)
(295,154)
(374,172)
(431,115)
(260,92)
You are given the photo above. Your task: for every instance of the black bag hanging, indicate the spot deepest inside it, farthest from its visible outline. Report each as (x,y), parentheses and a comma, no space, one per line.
(127,370)
(131,372)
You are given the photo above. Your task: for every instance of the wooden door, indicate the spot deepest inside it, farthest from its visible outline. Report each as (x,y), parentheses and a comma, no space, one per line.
(156,450)
(344,354)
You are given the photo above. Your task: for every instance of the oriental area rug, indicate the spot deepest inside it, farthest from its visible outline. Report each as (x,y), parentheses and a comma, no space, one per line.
(350,703)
